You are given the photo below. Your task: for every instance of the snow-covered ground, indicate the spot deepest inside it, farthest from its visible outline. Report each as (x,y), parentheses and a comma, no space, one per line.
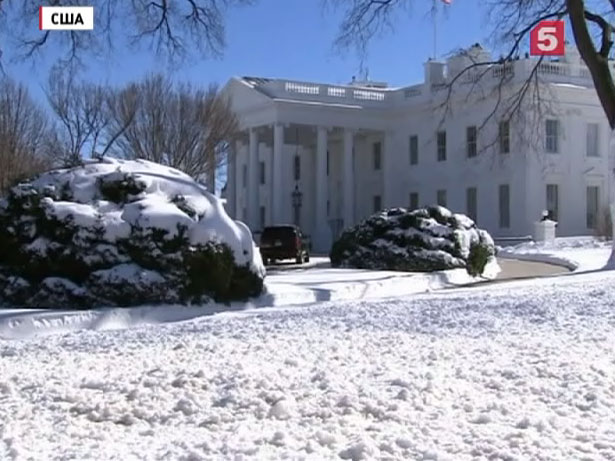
(283,288)
(478,373)
(513,371)
(580,254)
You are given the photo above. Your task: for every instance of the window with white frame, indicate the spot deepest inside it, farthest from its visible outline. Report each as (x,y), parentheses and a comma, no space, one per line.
(471,141)
(377,203)
(244,175)
(552,136)
(504,137)
(441,146)
(377,153)
(593,130)
(414,200)
(262,172)
(297,168)
(593,206)
(504,206)
(553,201)
(441,197)
(262,216)
(414,150)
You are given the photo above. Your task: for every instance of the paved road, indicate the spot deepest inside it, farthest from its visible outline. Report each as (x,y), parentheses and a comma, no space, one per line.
(511,269)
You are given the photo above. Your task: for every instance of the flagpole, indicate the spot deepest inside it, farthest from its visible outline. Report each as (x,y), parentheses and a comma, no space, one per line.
(434,18)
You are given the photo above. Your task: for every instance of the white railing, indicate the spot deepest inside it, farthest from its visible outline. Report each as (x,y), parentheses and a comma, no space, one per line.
(368,95)
(503,71)
(336,92)
(301,88)
(548,68)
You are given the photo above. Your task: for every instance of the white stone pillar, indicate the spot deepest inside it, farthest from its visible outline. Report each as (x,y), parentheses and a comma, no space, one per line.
(276,182)
(348,178)
(322,237)
(252,190)
(231,180)
(239,192)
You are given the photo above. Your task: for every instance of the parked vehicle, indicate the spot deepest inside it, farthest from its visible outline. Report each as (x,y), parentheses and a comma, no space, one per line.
(284,242)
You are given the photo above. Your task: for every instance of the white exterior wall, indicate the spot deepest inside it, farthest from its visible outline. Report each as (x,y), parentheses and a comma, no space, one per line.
(526,169)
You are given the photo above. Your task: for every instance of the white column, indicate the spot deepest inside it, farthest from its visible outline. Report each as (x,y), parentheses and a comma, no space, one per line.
(348,178)
(231,180)
(252,190)
(322,239)
(276,180)
(238,192)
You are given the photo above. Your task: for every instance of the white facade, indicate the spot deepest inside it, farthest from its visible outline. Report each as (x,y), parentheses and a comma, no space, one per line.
(357,153)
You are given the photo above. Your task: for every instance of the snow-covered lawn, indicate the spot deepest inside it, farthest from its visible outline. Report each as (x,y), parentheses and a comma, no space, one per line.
(478,373)
(580,254)
(283,288)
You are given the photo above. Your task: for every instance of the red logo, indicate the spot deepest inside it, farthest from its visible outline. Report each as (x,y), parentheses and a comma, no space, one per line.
(547,39)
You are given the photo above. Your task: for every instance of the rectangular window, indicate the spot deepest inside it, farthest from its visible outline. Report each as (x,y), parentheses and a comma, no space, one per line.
(244,213)
(414,200)
(297,168)
(472,203)
(377,152)
(504,205)
(504,137)
(553,201)
(327,163)
(552,136)
(441,197)
(471,138)
(328,207)
(414,150)
(593,206)
(592,140)
(377,203)
(441,146)
(244,175)
(262,172)
(262,216)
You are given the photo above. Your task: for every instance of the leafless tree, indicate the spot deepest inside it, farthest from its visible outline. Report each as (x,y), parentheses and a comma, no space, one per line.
(173,28)
(178,125)
(23,135)
(86,116)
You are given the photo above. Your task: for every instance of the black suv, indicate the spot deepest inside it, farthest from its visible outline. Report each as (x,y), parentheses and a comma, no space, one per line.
(284,242)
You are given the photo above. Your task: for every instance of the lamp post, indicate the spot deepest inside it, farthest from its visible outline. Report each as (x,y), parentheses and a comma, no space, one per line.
(297,197)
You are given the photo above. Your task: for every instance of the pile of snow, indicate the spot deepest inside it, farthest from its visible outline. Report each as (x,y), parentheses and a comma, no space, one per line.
(115,232)
(580,254)
(422,240)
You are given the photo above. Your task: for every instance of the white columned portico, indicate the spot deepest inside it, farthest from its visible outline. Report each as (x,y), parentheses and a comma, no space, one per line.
(276,183)
(348,179)
(322,237)
(252,190)
(231,181)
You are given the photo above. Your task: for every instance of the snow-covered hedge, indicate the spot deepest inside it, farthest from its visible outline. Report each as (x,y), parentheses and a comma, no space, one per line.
(423,240)
(121,233)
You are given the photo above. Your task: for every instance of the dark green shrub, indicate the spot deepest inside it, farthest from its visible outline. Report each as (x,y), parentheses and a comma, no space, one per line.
(478,259)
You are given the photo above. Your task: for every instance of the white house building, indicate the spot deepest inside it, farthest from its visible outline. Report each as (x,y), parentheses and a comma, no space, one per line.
(351,150)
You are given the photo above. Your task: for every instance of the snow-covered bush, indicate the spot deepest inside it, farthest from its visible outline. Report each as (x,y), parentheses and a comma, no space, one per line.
(122,233)
(423,240)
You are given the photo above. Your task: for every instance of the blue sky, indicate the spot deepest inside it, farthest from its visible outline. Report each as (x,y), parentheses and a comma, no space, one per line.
(292,39)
